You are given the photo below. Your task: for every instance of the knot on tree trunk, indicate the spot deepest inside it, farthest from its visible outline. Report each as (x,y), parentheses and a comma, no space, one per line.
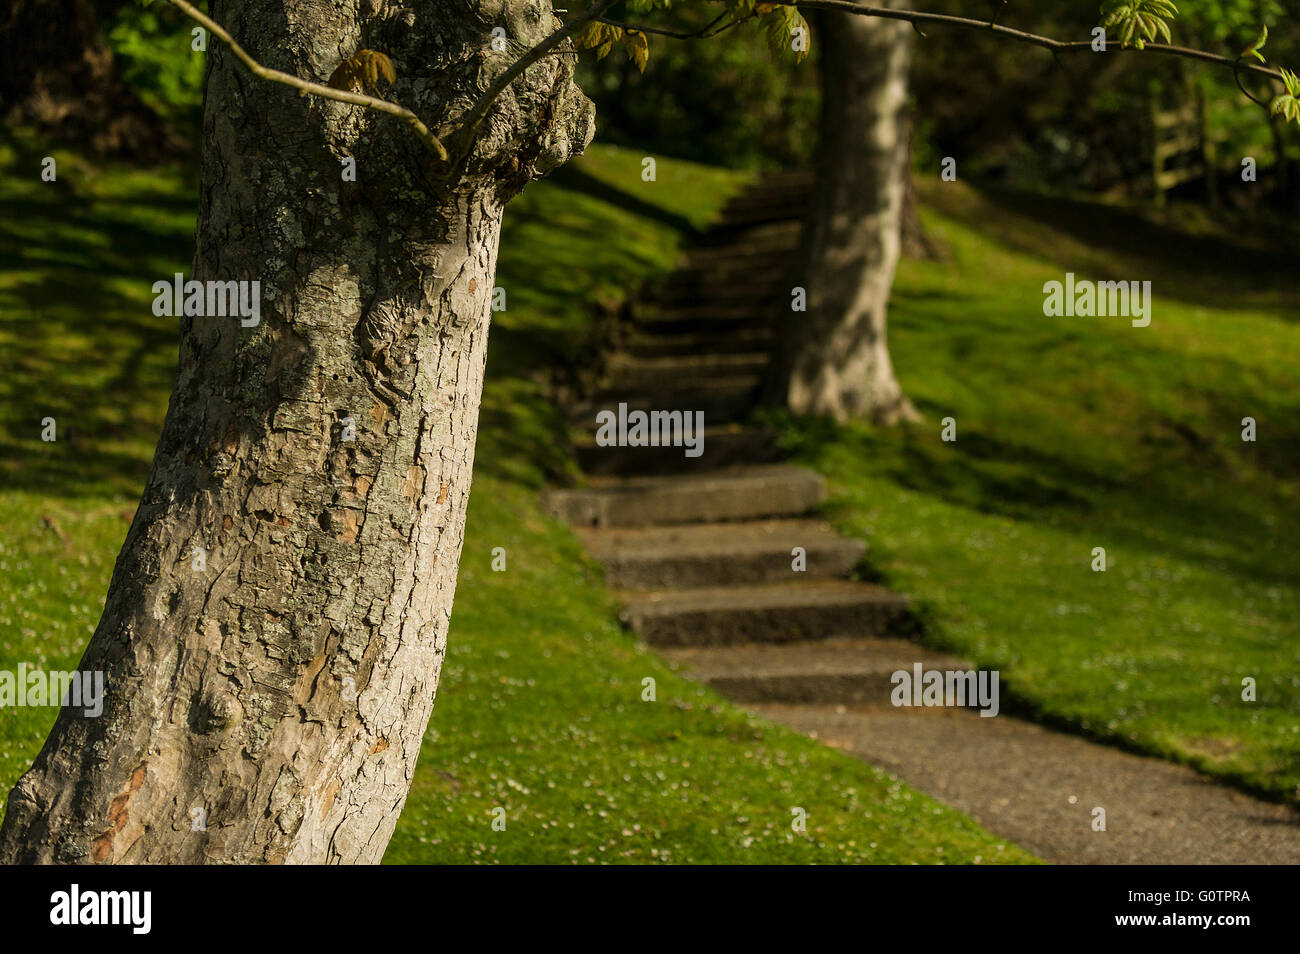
(542,119)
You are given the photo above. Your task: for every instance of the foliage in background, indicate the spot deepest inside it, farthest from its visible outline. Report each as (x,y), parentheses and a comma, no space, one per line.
(1021,116)
(1080,122)
(151,44)
(726,100)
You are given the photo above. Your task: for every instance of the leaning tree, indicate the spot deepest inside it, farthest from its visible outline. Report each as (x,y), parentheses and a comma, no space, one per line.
(277,617)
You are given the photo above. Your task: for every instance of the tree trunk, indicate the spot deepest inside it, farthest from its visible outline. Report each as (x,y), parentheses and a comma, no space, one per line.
(915,241)
(56,74)
(833,358)
(270,707)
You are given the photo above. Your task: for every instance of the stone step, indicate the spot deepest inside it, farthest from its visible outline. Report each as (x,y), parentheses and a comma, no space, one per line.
(732,259)
(788,179)
(845,671)
(722,400)
(768,613)
(765,194)
(803,178)
(707,319)
(765,213)
(683,371)
(721,447)
(716,554)
(760,234)
(745,493)
(779,198)
(697,289)
(743,339)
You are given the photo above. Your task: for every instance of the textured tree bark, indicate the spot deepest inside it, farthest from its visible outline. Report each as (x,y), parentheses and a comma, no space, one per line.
(270,707)
(833,358)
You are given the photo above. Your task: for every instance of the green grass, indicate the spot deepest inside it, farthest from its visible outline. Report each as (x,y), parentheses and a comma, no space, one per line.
(1075,433)
(540,710)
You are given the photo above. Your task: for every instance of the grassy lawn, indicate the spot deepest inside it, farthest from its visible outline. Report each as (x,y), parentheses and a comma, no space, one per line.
(540,709)
(1075,433)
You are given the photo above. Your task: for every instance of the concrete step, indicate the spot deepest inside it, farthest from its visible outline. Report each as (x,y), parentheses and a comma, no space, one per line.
(729,258)
(722,400)
(798,181)
(800,178)
(758,234)
(704,288)
(768,613)
(845,671)
(683,371)
(717,554)
(745,339)
(721,447)
(707,319)
(788,210)
(745,493)
(769,193)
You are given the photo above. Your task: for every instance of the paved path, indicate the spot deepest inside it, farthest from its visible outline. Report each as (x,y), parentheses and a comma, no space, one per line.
(1039,788)
(703,551)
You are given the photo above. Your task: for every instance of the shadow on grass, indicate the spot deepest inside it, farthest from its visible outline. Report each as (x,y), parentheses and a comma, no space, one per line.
(573,178)
(1102,241)
(80,341)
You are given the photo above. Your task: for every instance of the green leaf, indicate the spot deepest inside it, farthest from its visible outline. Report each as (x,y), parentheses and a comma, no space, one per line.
(597,36)
(1287,105)
(1138,21)
(638,48)
(1254,48)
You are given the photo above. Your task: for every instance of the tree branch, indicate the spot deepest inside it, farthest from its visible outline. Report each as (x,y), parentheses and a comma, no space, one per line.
(1047,43)
(703,33)
(316,89)
(470,121)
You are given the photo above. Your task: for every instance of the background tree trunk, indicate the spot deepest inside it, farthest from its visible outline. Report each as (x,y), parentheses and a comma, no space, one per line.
(57,75)
(280,695)
(915,241)
(833,358)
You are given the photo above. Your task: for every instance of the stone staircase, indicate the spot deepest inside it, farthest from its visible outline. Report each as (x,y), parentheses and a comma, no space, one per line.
(702,549)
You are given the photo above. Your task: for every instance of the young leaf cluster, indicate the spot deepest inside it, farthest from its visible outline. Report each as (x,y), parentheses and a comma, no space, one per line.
(361,73)
(781,23)
(1138,22)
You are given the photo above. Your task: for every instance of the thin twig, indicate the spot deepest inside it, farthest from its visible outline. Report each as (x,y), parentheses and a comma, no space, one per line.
(1021,36)
(1236,75)
(703,33)
(315,89)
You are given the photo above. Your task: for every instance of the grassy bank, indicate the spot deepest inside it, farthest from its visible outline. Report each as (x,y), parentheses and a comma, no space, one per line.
(1076,433)
(540,710)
